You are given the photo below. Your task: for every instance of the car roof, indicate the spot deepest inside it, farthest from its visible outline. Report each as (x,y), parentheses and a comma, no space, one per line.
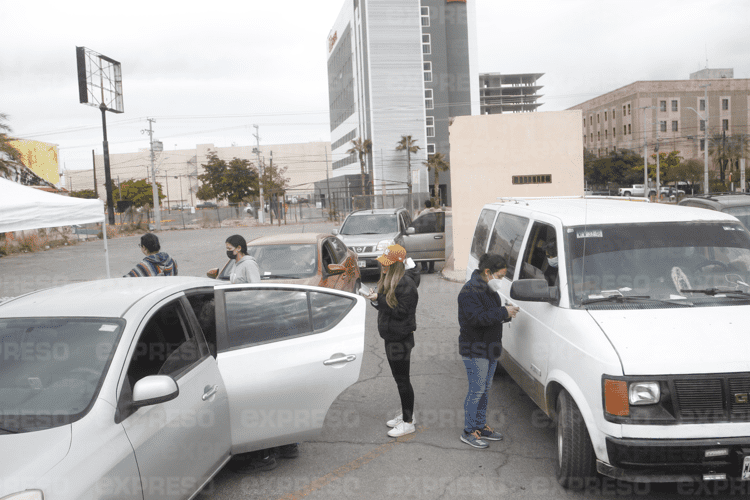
(107,298)
(389,211)
(719,200)
(580,211)
(278,239)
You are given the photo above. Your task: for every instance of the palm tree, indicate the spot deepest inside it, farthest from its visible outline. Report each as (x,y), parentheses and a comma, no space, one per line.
(727,150)
(13,156)
(437,163)
(410,145)
(361,147)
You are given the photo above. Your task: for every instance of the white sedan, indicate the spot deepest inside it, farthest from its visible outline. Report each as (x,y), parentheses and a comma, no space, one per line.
(144,388)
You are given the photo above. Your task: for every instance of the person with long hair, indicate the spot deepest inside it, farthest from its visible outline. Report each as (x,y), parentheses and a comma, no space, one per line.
(246,268)
(396,300)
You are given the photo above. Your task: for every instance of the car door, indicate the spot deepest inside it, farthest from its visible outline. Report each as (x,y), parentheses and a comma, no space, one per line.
(286,353)
(178,444)
(342,257)
(428,240)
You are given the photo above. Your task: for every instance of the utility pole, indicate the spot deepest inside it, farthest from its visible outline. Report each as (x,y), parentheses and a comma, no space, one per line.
(645,153)
(96,189)
(656,149)
(328,183)
(166,183)
(705,140)
(154,191)
(261,212)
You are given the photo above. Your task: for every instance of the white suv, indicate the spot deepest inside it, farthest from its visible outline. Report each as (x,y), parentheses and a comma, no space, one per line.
(636,342)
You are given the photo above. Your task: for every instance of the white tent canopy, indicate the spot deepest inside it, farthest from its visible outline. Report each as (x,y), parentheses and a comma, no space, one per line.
(23,207)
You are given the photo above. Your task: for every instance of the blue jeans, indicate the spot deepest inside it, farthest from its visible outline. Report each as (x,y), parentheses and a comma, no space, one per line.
(480,372)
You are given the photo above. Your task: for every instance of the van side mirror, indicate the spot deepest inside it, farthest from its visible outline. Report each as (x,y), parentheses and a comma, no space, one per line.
(533,290)
(334,231)
(410,230)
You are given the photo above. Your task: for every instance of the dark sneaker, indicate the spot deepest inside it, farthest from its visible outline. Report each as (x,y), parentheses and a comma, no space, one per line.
(474,439)
(490,435)
(242,465)
(287,451)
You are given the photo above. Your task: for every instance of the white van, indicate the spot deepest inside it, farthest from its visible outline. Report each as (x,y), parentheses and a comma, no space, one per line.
(637,342)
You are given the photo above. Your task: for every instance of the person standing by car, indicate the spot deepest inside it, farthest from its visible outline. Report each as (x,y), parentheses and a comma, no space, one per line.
(246,269)
(480,318)
(155,263)
(396,301)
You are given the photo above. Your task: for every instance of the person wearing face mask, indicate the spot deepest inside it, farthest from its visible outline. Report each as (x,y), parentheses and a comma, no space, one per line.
(480,317)
(550,268)
(245,269)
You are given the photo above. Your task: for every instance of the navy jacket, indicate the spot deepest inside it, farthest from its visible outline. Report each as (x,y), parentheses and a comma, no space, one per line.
(480,318)
(398,324)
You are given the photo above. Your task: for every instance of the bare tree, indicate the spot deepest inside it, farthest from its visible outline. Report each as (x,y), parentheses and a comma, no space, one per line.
(9,155)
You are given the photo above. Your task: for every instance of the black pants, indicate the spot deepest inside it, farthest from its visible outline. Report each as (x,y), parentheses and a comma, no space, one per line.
(425,264)
(399,359)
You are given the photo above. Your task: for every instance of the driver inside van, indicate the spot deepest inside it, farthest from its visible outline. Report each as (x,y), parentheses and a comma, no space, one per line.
(550,262)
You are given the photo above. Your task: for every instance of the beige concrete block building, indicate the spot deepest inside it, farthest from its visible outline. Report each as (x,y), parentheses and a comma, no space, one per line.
(178,170)
(510,155)
(615,120)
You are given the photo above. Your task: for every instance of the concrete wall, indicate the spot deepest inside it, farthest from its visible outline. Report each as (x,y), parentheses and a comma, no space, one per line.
(488,150)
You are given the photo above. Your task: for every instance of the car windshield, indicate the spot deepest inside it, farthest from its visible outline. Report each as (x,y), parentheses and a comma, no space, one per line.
(742,213)
(285,261)
(370,224)
(659,262)
(51,369)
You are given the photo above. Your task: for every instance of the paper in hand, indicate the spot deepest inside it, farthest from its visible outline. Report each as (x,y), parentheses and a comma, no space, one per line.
(364,291)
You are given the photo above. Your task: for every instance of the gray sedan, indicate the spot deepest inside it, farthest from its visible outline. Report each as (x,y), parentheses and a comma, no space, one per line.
(144,388)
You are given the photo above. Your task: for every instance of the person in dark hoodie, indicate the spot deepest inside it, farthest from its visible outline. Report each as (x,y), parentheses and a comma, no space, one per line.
(480,318)
(396,300)
(155,263)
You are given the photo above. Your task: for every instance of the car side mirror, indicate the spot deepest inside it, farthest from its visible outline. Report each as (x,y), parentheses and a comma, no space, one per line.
(153,390)
(533,290)
(334,231)
(336,268)
(213,273)
(410,230)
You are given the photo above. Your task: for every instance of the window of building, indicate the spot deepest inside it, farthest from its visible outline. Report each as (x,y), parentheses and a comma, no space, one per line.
(591,120)
(605,116)
(725,104)
(613,133)
(674,126)
(598,136)
(629,130)
(584,122)
(597,118)
(623,111)
(428,71)
(628,109)
(663,126)
(591,137)
(703,144)
(613,113)
(430,121)
(430,149)
(605,133)
(428,102)
(425,14)
(702,105)
(725,125)
(703,125)
(532,179)
(674,105)
(426,46)
(624,130)
(663,106)
(584,138)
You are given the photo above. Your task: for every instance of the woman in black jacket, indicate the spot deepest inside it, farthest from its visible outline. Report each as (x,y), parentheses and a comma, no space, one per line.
(396,301)
(480,318)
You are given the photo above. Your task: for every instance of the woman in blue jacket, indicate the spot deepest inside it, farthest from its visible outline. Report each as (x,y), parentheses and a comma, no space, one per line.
(480,318)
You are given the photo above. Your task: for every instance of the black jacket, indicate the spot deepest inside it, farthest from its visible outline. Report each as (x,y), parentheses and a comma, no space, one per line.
(480,318)
(399,323)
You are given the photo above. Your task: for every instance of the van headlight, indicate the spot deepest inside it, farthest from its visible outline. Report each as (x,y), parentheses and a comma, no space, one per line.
(383,245)
(644,393)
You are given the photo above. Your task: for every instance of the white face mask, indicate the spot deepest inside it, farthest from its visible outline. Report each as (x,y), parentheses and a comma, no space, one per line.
(552,261)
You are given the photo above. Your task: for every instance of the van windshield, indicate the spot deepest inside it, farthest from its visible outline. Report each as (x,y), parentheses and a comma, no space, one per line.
(659,261)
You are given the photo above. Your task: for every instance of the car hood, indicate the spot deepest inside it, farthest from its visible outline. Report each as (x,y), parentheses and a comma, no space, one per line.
(356,240)
(678,341)
(33,455)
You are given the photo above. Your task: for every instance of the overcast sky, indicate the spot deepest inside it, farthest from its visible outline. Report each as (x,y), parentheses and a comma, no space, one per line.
(208,71)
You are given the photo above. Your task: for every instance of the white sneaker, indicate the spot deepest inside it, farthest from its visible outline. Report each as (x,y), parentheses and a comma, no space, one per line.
(402,429)
(400,418)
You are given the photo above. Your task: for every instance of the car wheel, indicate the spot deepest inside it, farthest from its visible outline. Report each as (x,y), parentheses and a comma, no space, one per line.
(576,461)
(626,193)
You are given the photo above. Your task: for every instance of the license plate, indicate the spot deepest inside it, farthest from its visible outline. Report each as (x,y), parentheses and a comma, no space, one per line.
(746,468)
(362,263)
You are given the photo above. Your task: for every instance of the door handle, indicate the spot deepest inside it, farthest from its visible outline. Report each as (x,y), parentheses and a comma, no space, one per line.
(344,359)
(210,391)
(438,237)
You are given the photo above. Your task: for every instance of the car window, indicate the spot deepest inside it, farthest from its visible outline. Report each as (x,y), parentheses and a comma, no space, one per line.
(407,218)
(742,213)
(328,256)
(52,368)
(204,308)
(328,309)
(541,246)
(285,261)
(482,233)
(370,224)
(507,236)
(339,248)
(258,316)
(432,222)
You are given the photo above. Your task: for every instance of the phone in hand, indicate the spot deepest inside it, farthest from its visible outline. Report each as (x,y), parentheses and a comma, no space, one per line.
(364,291)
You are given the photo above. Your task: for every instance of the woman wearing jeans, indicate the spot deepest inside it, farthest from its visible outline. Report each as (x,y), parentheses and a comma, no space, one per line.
(396,301)
(480,318)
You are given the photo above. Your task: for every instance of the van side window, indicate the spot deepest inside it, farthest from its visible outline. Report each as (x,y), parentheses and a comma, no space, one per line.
(482,233)
(507,236)
(541,246)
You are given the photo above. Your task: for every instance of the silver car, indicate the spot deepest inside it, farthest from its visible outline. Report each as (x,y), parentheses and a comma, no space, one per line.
(144,388)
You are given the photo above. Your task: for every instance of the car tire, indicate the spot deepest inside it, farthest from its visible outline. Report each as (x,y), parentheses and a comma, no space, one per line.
(626,193)
(576,460)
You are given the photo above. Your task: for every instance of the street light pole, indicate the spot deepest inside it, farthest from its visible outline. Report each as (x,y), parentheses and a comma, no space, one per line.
(705,140)
(261,212)
(645,153)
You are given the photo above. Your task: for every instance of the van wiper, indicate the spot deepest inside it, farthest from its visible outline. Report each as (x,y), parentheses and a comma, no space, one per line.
(634,298)
(716,291)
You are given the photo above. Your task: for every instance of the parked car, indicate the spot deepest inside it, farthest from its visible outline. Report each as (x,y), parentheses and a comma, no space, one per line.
(736,204)
(207,204)
(636,190)
(130,388)
(370,232)
(634,340)
(301,258)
